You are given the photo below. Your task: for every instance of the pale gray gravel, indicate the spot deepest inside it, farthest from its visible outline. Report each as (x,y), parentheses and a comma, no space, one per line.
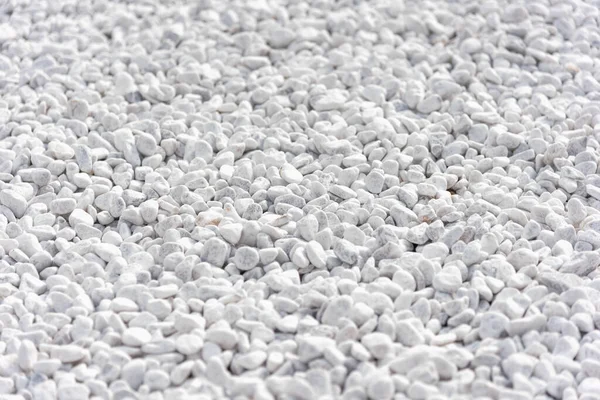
(283,199)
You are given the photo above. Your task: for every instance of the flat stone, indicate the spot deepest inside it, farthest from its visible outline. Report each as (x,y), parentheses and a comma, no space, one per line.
(69,353)
(135,337)
(291,174)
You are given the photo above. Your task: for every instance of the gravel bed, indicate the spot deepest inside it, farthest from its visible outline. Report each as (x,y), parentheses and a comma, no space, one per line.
(283,199)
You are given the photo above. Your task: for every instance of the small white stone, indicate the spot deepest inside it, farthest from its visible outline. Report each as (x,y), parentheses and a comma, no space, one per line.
(316,255)
(291,174)
(576,210)
(514,13)
(78,216)
(28,355)
(429,104)
(308,227)
(159,308)
(492,325)
(374,93)
(522,257)
(78,109)
(251,360)
(231,232)
(374,182)
(13,201)
(408,334)
(519,363)
(448,280)
(29,244)
(337,308)
(281,37)
(181,372)
(381,388)
(47,367)
(246,258)
(73,391)
(189,344)
(107,251)
(157,379)
(332,100)
(379,344)
(62,206)
(133,373)
(41,176)
(121,304)
(470,45)
(7,386)
(225,338)
(69,353)
(346,251)
(135,337)
(215,251)
(146,144)
(149,210)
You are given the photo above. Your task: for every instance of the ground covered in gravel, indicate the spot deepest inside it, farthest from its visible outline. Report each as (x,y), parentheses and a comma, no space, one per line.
(287,200)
